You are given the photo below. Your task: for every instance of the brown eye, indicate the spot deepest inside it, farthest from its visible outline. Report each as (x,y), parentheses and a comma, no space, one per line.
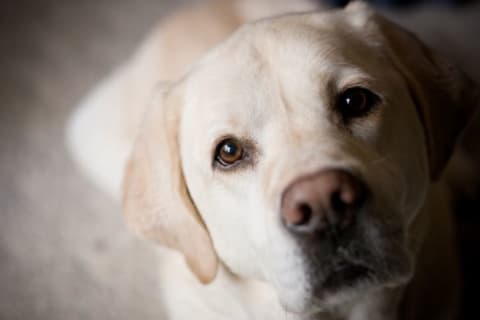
(356,102)
(228,152)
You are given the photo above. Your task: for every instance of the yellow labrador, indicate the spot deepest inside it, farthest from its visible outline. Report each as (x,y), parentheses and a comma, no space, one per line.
(295,167)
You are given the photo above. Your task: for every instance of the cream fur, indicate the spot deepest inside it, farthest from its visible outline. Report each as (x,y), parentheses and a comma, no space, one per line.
(270,82)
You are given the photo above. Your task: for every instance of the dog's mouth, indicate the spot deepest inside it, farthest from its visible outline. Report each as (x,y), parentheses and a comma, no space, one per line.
(347,274)
(336,273)
(368,255)
(357,267)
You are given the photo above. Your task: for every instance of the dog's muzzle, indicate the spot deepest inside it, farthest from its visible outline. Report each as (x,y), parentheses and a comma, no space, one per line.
(321,213)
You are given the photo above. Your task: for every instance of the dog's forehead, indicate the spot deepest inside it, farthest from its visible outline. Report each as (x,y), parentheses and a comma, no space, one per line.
(299,40)
(264,64)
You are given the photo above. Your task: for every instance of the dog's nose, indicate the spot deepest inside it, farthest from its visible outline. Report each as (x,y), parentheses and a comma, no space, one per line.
(324,201)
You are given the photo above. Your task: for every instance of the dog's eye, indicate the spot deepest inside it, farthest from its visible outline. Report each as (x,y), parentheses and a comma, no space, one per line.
(228,152)
(356,102)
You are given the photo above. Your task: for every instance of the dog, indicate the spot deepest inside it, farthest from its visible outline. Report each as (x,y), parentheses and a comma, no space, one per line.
(291,160)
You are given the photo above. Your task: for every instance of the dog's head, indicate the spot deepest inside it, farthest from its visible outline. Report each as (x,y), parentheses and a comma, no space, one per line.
(298,153)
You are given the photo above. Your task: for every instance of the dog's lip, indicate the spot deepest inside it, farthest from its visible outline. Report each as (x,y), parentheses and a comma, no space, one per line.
(346,273)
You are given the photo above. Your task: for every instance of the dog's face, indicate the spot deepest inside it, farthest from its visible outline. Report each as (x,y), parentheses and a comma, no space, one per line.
(304,145)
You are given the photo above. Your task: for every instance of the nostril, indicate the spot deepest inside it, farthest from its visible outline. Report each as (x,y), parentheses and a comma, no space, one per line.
(338,202)
(347,197)
(304,214)
(299,215)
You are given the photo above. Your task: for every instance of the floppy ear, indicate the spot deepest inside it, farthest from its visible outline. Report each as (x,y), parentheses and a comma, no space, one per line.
(156,201)
(444,96)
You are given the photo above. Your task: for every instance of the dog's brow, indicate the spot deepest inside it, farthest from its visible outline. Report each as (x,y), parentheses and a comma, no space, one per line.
(257,55)
(285,103)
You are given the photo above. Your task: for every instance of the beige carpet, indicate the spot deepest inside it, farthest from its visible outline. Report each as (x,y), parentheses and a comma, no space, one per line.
(64,250)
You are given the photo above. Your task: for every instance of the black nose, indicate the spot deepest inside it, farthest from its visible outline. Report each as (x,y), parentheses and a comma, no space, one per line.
(328,200)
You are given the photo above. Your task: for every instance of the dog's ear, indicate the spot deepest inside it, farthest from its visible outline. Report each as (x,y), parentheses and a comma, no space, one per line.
(444,96)
(156,200)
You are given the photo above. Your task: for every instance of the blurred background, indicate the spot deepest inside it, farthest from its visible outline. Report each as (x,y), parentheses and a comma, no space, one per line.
(64,250)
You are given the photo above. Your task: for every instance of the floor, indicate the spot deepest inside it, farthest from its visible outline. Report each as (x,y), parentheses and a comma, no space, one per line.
(64,250)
